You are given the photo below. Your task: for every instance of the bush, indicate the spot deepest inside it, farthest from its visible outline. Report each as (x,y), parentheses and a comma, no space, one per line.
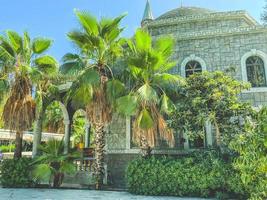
(16,173)
(7,148)
(199,175)
(252,160)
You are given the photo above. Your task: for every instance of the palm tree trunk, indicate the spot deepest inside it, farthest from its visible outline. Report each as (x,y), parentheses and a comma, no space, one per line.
(18,145)
(99,154)
(37,135)
(145,148)
(218,133)
(58,179)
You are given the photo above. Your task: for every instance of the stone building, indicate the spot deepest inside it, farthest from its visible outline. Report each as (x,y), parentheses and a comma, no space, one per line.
(204,40)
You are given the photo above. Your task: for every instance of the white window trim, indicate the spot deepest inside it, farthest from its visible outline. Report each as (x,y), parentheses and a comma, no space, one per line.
(192,57)
(263,56)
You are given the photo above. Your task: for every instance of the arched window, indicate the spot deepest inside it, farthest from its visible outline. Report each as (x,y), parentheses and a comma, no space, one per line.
(192,67)
(256,71)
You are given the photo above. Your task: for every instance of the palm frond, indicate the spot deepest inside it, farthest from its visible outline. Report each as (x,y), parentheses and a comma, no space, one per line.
(46,64)
(143,40)
(15,40)
(88,22)
(4,43)
(40,45)
(127,105)
(146,93)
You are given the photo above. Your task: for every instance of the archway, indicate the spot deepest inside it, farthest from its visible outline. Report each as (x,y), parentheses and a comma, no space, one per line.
(38,129)
(81,129)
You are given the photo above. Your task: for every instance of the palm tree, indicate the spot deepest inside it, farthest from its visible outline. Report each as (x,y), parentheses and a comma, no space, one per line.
(100,45)
(151,90)
(53,163)
(23,59)
(46,90)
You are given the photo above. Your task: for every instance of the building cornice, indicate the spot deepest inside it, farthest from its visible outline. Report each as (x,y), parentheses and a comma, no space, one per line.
(204,17)
(216,33)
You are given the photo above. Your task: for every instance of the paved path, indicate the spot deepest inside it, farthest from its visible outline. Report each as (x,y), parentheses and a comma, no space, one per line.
(45,194)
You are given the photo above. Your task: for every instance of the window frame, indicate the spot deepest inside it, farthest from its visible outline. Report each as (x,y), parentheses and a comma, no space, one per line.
(263,56)
(192,57)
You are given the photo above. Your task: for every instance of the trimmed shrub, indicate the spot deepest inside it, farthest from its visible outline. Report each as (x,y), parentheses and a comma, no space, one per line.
(16,173)
(197,175)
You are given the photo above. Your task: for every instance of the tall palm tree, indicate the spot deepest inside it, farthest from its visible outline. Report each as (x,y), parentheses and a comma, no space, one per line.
(100,45)
(23,59)
(151,89)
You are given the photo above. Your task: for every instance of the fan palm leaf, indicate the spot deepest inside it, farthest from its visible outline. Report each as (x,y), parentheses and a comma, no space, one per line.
(149,63)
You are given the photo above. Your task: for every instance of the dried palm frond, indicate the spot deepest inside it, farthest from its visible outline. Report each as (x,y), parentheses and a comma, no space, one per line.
(19,110)
(159,131)
(99,110)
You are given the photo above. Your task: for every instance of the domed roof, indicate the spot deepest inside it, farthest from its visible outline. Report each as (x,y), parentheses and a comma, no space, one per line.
(184,11)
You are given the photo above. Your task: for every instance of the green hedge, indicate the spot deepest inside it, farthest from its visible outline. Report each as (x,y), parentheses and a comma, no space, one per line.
(197,175)
(7,148)
(16,173)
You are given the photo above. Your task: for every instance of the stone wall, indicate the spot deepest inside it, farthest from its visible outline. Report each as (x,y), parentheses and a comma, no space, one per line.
(116,136)
(221,44)
(116,168)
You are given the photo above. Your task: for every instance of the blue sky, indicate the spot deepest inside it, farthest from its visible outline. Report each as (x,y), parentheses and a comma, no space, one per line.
(54,18)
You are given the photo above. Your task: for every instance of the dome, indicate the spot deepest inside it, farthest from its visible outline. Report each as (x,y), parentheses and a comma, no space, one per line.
(184,11)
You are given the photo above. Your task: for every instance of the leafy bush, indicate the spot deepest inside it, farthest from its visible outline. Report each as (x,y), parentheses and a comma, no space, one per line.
(200,174)
(252,160)
(16,173)
(7,148)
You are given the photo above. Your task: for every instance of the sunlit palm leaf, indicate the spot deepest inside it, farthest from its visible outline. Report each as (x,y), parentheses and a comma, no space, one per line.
(47,64)
(15,40)
(143,40)
(146,93)
(40,45)
(88,22)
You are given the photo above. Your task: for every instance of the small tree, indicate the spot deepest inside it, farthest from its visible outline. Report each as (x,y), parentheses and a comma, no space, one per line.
(211,97)
(53,163)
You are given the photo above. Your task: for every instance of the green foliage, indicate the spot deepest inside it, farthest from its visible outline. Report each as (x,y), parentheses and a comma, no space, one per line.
(17,173)
(199,174)
(53,163)
(100,45)
(151,86)
(7,148)
(78,128)
(53,118)
(213,97)
(40,45)
(252,160)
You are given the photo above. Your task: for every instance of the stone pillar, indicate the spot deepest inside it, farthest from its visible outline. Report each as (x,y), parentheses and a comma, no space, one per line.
(67,136)
(209,139)
(128,133)
(87,135)
(186,142)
